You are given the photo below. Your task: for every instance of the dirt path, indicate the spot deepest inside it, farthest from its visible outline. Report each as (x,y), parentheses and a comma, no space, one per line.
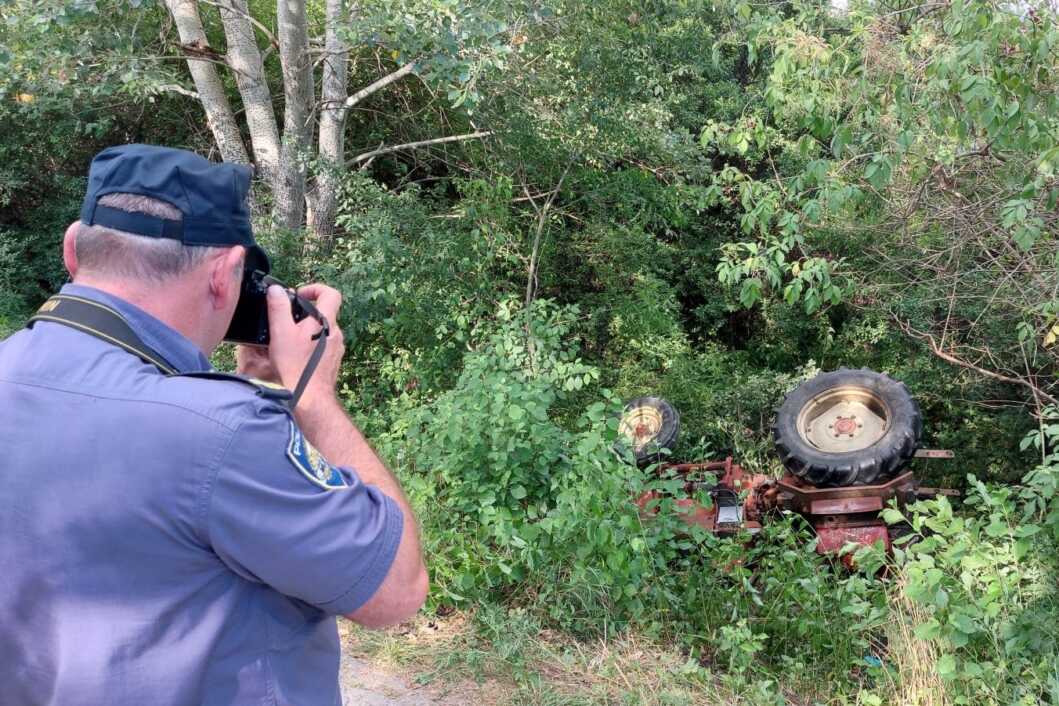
(371,682)
(366,685)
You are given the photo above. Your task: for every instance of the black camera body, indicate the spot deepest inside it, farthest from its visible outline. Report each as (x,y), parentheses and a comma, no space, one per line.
(250,322)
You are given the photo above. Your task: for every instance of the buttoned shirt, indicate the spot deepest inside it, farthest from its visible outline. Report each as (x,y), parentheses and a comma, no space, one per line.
(161,542)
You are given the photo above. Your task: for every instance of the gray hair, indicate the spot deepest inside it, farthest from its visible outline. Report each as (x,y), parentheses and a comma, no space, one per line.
(115,253)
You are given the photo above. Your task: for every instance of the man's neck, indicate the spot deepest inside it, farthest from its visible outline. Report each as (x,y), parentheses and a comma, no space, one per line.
(166,303)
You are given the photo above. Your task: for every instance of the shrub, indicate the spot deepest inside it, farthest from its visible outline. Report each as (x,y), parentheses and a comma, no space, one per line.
(984,580)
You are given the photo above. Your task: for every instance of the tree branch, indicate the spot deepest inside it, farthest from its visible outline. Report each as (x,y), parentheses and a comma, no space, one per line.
(214,98)
(542,216)
(416,145)
(174,88)
(952,358)
(531,270)
(380,84)
(248,17)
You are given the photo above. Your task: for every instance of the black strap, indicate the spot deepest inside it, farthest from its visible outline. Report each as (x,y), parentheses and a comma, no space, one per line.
(314,360)
(101,321)
(140,223)
(106,324)
(321,339)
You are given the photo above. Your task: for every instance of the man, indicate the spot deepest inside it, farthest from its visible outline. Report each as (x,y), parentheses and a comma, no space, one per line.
(173,539)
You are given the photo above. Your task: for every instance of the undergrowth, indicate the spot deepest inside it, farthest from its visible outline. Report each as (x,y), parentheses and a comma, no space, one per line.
(529,526)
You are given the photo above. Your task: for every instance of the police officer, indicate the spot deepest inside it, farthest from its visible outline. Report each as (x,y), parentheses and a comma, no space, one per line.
(169,535)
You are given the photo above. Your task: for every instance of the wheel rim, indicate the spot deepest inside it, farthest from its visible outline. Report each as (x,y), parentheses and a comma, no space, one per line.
(844,419)
(640,425)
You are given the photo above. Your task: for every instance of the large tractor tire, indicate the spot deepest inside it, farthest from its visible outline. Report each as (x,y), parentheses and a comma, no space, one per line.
(848,427)
(648,425)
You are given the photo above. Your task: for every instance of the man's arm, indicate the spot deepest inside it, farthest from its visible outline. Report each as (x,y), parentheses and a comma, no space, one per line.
(322,419)
(405,587)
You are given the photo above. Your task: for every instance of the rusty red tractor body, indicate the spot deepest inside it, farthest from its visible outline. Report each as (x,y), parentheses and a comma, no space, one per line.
(742,501)
(845,439)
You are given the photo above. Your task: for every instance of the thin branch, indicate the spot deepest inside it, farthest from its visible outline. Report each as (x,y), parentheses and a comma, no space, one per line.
(190,57)
(542,219)
(174,88)
(416,145)
(952,358)
(531,270)
(380,84)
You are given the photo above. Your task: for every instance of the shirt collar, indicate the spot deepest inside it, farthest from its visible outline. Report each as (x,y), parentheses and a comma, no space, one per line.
(183,355)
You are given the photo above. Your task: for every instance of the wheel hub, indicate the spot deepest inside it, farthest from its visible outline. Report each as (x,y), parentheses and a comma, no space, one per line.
(843,420)
(845,425)
(640,425)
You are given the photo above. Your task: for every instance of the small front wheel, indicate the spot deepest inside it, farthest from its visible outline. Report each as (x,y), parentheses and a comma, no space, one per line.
(648,425)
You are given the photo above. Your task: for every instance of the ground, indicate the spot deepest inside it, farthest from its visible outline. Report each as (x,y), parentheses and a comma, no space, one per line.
(375,680)
(368,685)
(448,662)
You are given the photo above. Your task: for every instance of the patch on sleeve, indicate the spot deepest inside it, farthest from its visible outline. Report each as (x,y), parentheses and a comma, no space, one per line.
(311,462)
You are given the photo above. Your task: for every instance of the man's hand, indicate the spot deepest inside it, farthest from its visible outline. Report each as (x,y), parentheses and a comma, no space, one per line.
(291,344)
(323,420)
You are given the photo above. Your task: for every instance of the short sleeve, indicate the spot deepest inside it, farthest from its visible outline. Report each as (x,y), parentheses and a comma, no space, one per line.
(271,522)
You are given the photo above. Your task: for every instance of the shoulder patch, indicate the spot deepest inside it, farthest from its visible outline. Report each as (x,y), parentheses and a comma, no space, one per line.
(311,462)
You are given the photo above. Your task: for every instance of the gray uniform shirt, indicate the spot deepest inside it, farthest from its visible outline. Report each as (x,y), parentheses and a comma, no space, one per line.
(168,540)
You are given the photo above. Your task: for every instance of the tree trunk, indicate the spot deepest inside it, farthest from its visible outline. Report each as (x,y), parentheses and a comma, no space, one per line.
(324,196)
(245,60)
(214,100)
(289,206)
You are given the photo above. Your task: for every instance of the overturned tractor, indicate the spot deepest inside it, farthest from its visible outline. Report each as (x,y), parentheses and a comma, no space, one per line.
(845,438)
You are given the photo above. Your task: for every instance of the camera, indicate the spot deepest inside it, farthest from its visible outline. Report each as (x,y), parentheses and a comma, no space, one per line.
(250,322)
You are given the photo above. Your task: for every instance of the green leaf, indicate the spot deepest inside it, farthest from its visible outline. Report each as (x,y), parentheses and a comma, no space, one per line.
(842,137)
(1025,236)
(1049,162)
(892,517)
(878,172)
(750,293)
(947,666)
(929,630)
(997,528)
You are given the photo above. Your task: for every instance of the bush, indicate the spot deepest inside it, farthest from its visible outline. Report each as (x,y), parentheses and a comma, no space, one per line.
(984,580)
(526,504)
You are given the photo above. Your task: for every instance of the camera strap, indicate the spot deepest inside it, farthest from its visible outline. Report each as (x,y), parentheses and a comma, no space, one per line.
(314,360)
(320,337)
(101,321)
(105,323)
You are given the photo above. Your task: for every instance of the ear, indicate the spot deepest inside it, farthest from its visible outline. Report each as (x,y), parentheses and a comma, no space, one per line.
(70,248)
(226,278)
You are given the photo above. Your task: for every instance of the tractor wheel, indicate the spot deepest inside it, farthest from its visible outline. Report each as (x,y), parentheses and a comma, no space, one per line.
(848,427)
(648,425)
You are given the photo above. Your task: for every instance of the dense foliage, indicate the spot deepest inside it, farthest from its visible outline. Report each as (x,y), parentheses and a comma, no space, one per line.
(707,201)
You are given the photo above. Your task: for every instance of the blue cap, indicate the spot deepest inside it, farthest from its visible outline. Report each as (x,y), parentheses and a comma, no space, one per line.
(211,196)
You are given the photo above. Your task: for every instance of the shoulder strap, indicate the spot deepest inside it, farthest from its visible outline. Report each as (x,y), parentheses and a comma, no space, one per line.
(108,325)
(101,321)
(268,390)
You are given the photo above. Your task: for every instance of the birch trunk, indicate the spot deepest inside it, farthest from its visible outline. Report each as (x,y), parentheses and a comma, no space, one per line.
(245,60)
(323,200)
(289,206)
(208,84)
